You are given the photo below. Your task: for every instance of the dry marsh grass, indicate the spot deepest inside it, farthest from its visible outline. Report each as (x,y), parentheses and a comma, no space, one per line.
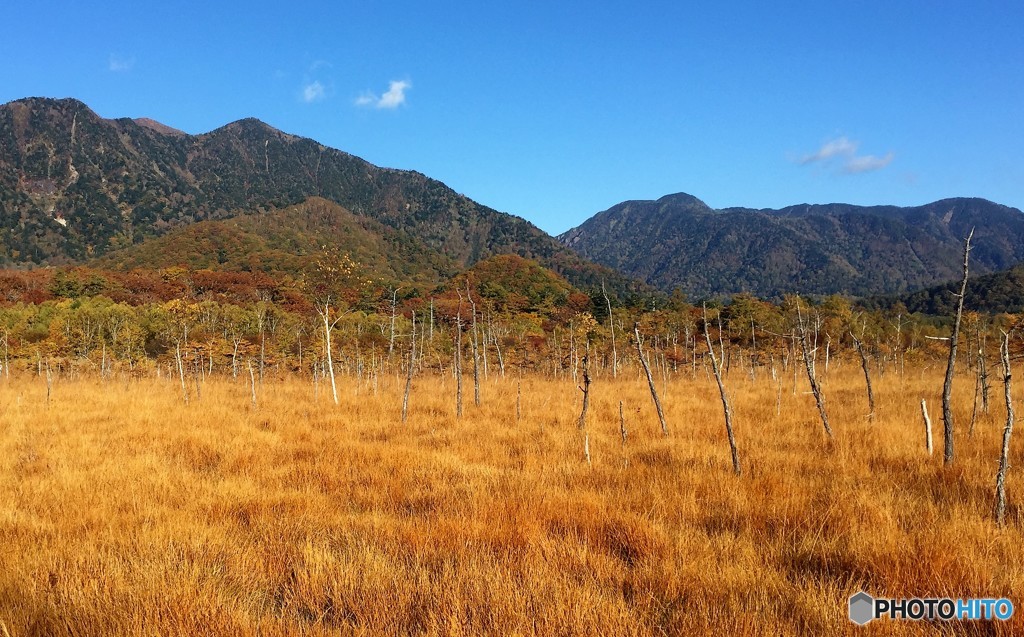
(126,512)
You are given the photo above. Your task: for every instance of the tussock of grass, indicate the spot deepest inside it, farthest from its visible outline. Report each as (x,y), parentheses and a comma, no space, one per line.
(127,512)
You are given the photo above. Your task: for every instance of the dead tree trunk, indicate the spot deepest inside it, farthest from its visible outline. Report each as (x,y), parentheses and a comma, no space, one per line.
(582,421)
(324,310)
(49,383)
(611,327)
(476,350)
(408,374)
(867,374)
(196,374)
(753,355)
(624,434)
(476,362)
(725,399)
(252,384)
(263,352)
(974,407)
(819,398)
(1004,352)
(927,427)
(947,386)
(457,362)
(650,379)
(983,373)
(236,341)
(394,311)
(181,371)
(497,350)
(519,398)
(828,349)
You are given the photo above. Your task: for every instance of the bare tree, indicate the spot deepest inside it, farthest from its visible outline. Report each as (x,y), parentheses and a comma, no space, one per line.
(650,379)
(181,373)
(974,409)
(721,392)
(624,434)
(394,308)
(412,364)
(457,360)
(519,397)
(495,338)
(252,384)
(1004,352)
(476,350)
(897,346)
(330,321)
(808,356)
(982,371)
(859,346)
(927,427)
(49,383)
(325,281)
(582,421)
(611,327)
(947,386)
(753,355)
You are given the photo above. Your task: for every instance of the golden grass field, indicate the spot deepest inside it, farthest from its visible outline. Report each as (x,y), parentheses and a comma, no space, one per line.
(124,511)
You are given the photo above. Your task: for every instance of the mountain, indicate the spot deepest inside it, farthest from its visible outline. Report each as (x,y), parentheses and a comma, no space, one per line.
(75,186)
(679,241)
(289,240)
(990,293)
(513,284)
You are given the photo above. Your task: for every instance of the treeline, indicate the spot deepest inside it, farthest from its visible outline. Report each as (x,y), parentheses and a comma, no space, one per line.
(504,318)
(989,293)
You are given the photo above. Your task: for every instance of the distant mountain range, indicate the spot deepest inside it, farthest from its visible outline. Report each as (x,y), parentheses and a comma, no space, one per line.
(991,293)
(680,242)
(76,187)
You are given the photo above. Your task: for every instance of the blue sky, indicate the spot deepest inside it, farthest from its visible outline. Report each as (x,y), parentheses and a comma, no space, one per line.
(555,111)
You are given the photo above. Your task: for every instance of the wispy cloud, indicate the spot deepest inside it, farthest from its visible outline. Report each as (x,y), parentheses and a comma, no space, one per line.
(840,146)
(867,163)
(841,152)
(119,63)
(392,98)
(313,92)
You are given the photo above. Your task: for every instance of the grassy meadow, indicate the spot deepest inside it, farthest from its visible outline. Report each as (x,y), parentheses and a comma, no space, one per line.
(125,511)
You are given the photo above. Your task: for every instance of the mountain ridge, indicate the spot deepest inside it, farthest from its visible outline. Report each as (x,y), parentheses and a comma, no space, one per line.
(678,241)
(75,186)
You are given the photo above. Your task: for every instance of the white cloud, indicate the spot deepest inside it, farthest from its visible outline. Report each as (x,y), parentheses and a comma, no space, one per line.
(840,146)
(867,163)
(314,91)
(841,152)
(393,98)
(120,64)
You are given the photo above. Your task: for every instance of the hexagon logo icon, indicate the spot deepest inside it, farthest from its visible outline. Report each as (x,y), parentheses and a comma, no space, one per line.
(861,608)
